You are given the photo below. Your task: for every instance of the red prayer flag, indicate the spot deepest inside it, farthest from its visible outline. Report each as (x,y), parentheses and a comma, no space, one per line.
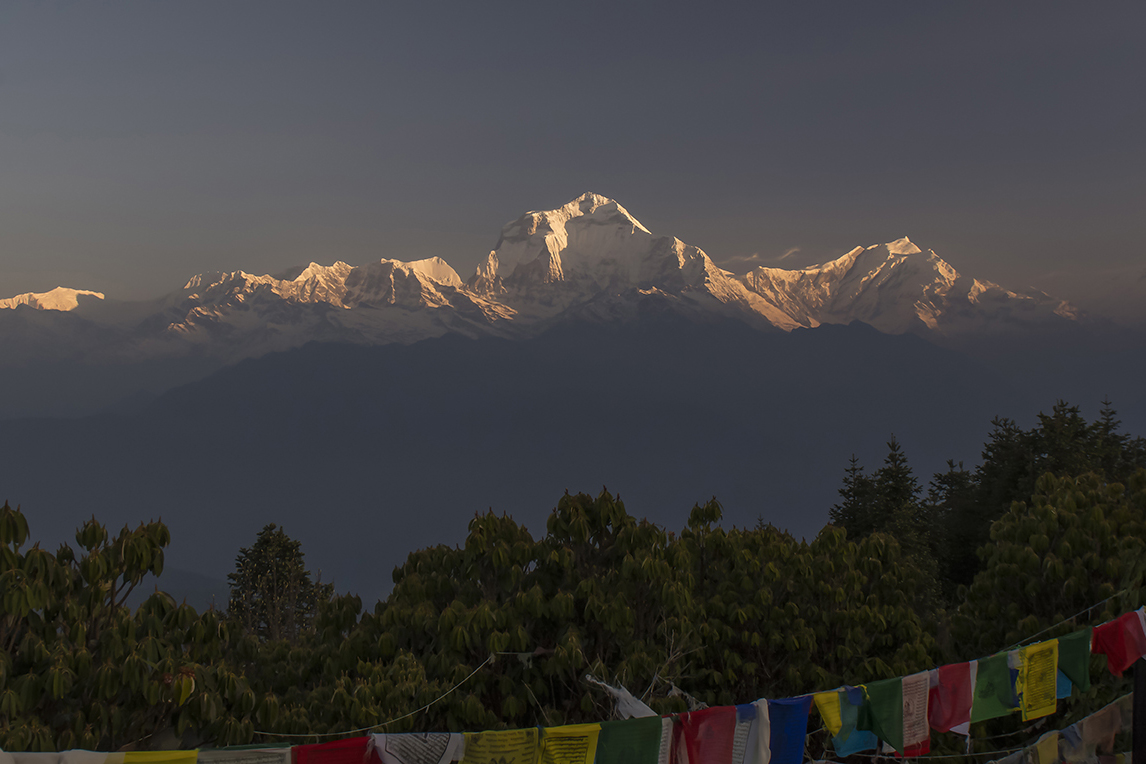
(949,704)
(915,751)
(706,735)
(355,750)
(1122,641)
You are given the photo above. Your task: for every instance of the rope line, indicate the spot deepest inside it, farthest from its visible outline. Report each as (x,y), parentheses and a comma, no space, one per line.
(1067,620)
(534,654)
(380,724)
(929,756)
(1012,647)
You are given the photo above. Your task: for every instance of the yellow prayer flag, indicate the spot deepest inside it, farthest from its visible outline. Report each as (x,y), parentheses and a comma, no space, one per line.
(1038,677)
(508,746)
(161,757)
(1046,749)
(828,704)
(571,744)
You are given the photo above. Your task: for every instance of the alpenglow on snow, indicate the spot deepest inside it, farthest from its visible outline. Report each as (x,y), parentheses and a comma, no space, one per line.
(588,260)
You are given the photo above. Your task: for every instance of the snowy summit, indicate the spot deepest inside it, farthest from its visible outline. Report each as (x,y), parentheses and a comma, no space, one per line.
(588,260)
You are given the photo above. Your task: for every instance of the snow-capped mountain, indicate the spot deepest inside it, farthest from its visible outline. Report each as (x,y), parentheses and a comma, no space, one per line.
(60,298)
(589,260)
(384,301)
(592,249)
(897,287)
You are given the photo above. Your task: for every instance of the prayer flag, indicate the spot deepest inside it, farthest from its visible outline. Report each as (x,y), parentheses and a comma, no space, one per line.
(1063,686)
(1122,641)
(628,705)
(500,747)
(74,756)
(1126,707)
(1037,679)
(668,726)
(354,750)
(896,711)
(706,735)
(758,749)
(745,740)
(1074,657)
(268,755)
(828,706)
(1099,728)
(851,740)
(916,733)
(994,691)
(1073,749)
(630,741)
(882,711)
(788,728)
(161,757)
(950,700)
(570,744)
(1046,749)
(418,747)
(78,756)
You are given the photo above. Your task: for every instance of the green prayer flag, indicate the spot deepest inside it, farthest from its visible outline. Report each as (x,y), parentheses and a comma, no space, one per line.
(1074,658)
(630,740)
(994,689)
(882,711)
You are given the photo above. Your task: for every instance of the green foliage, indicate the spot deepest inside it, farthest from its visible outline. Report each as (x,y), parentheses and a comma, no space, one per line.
(1078,542)
(501,631)
(1062,443)
(954,520)
(888,502)
(726,614)
(80,670)
(272,595)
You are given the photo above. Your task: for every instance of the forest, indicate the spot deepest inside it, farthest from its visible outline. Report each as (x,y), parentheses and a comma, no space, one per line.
(1045,535)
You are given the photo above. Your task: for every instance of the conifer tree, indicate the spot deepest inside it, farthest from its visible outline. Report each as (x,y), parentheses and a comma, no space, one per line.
(272,595)
(1063,443)
(854,512)
(950,502)
(889,497)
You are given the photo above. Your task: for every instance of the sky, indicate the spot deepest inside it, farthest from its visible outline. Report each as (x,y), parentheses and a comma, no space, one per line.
(142,143)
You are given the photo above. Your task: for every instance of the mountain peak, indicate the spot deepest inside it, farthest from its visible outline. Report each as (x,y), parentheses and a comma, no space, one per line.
(592,197)
(596,205)
(575,237)
(903,246)
(60,298)
(433,268)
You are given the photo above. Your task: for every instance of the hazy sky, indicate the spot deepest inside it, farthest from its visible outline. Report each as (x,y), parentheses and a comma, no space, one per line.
(144,142)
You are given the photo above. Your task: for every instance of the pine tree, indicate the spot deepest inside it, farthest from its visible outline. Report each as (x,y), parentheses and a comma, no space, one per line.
(854,512)
(1063,443)
(955,523)
(900,514)
(272,595)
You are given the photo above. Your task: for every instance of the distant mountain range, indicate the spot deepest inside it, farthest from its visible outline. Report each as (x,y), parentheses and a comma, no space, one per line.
(74,351)
(588,260)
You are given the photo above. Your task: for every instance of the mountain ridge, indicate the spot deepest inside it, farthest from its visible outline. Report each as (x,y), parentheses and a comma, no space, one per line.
(549,261)
(589,260)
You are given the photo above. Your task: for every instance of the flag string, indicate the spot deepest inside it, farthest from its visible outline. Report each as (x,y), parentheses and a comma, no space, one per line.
(536,654)
(380,724)
(1052,627)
